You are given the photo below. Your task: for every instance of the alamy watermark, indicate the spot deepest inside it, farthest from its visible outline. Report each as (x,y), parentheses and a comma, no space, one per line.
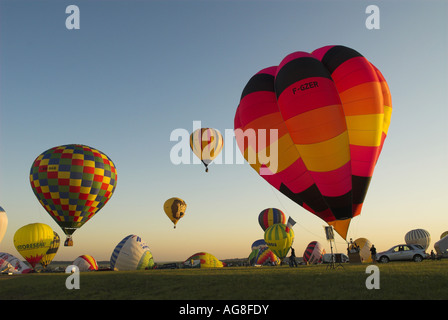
(260,145)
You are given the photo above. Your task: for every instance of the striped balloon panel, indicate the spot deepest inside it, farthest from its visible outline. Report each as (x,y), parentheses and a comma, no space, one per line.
(387,101)
(313,253)
(312,110)
(265,255)
(86,263)
(257,244)
(271,216)
(206,144)
(131,253)
(418,236)
(279,239)
(362,96)
(49,256)
(258,110)
(72,183)
(119,246)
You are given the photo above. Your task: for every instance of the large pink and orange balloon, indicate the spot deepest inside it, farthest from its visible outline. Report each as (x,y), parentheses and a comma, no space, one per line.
(324,117)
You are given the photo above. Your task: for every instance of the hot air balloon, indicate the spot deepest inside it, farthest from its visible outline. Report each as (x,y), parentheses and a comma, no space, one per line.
(271,216)
(443,235)
(3,223)
(175,209)
(33,241)
(257,244)
(86,263)
(313,253)
(279,239)
(207,260)
(131,253)
(206,144)
(364,246)
(418,236)
(322,118)
(265,256)
(73,182)
(11,264)
(51,253)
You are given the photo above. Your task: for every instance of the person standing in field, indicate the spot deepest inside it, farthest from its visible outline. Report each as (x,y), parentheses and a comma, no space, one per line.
(373,253)
(292,258)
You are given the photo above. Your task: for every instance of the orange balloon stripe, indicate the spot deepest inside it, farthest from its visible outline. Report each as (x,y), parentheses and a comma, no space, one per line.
(317,125)
(363,99)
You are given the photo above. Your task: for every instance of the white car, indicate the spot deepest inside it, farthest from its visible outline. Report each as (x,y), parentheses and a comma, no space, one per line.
(413,252)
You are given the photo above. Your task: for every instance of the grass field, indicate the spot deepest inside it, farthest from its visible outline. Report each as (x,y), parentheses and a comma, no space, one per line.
(398,281)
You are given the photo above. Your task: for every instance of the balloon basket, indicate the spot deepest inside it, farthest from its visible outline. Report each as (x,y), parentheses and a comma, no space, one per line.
(68,242)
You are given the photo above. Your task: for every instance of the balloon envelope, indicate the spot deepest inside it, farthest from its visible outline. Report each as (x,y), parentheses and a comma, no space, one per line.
(313,253)
(206,144)
(86,263)
(11,264)
(266,256)
(175,209)
(322,118)
(73,182)
(279,239)
(418,236)
(51,253)
(131,253)
(364,246)
(207,260)
(271,216)
(257,244)
(33,241)
(3,223)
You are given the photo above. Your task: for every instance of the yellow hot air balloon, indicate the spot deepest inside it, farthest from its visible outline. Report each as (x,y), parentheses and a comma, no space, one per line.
(33,241)
(175,209)
(206,144)
(279,238)
(51,253)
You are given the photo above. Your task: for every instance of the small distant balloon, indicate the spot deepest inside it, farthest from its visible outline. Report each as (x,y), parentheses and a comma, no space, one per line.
(206,144)
(175,209)
(271,216)
(418,236)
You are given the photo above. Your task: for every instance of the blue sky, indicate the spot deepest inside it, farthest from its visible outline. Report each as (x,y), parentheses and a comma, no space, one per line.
(137,70)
